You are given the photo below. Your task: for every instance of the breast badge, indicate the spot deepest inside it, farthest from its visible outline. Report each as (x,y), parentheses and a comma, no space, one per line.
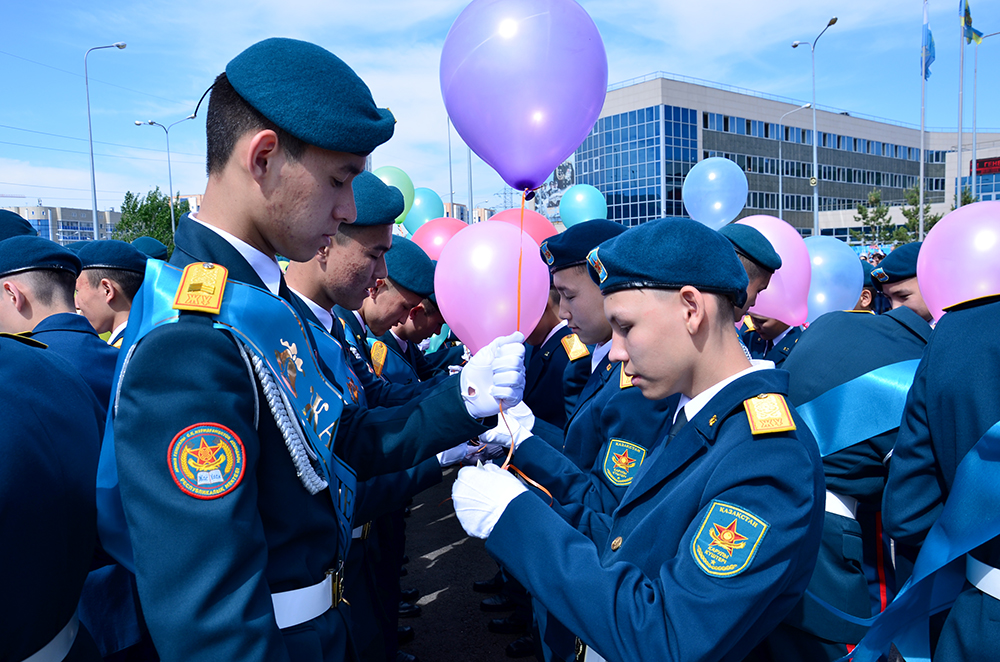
(727,540)
(622,461)
(206,460)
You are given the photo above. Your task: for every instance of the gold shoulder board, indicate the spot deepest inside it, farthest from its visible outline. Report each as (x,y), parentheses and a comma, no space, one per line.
(574,348)
(767,413)
(25,338)
(748,323)
(379,352)
(624,381)
(201,288)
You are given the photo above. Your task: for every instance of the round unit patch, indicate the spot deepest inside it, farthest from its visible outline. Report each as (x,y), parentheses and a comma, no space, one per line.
(206,460)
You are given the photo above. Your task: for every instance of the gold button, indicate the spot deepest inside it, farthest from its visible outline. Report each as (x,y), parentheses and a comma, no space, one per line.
(616,543)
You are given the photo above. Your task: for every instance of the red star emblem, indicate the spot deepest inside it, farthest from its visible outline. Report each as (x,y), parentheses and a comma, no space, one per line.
(727,538)
(622,460)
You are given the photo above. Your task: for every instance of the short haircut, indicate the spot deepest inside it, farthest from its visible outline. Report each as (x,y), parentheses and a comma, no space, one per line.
(230,117)
(754,270)
(430,308)
(49,286)
(128,282)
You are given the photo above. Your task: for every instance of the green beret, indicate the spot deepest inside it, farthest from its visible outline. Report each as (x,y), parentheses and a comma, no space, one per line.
(752,245)
(154,248)
(14,225)
(898,265)
(112,254)
(310,93)
(570,248)
(669,254)
(377,202)
(27,253)
(410,267)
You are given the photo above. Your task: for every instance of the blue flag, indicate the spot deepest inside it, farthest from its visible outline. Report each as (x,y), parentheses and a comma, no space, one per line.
(927,50)
(971,34)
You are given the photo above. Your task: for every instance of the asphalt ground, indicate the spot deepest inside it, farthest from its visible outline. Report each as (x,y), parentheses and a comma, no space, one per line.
(444,562)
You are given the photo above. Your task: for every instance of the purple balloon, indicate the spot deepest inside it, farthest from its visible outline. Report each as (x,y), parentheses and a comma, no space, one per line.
(494,56)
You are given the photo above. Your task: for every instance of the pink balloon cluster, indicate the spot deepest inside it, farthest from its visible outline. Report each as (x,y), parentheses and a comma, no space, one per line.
(787,296)
(537,226)
(434,234)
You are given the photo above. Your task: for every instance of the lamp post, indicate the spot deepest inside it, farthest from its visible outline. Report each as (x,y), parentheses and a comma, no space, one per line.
(975,75)
(170,176)
(781,169)
(815,173)
(90,131)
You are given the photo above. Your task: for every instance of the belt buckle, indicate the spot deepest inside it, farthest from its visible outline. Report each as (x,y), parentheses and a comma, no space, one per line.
(337,586)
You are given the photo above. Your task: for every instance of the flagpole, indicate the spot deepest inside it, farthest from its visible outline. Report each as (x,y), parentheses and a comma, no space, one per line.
(975,77)
(923,97)
(961,71)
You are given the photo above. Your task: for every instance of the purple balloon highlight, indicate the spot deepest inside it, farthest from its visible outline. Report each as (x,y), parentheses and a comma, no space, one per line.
(493,58)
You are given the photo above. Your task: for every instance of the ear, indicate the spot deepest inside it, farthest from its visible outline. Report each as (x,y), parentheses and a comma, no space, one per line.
(866,297)
(693,307)
(322,255)
(419,308)
(15,295)
(262,155)
(108,289)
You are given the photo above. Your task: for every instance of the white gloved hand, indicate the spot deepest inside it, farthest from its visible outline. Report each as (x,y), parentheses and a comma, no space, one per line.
(453,455)
(494,375)
(481,494)
(519,418)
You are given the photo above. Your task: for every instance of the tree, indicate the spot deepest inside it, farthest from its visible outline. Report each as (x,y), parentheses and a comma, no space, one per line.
(911,232)
(877,227)
(967,198)
(148,216)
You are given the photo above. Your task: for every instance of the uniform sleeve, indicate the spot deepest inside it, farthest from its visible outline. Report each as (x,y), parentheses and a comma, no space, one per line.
(199,561)
(568,484)
(673,610)
(383,494)
(379,392)
(914,494)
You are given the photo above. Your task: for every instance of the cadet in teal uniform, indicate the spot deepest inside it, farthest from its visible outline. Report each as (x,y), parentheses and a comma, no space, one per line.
(111,274)
(14,225)
(716,538)
(896,279)
(769,339)
(758,258)
(255,555)
(835,349)
(38,278)
(48,466)
(151,247)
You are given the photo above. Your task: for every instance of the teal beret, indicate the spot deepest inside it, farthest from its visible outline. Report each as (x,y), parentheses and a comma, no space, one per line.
(752,245)
(868,267)
(377,202)
(77,246)
(14,225)
(669,254)
(154,248)
(570,248)
(410,267)
(27,253)
(898,265)
(312,94)
(112,254)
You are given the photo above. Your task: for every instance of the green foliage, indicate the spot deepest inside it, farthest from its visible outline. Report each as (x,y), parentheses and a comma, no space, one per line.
(911,232)
(877,227)
(967,198)
(148,216)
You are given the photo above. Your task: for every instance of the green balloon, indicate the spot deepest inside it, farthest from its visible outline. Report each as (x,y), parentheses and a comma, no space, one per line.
(393,176)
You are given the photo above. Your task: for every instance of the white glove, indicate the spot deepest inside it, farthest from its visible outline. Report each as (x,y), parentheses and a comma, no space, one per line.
(494,375)
(519,418)
(481,494)
(453,455)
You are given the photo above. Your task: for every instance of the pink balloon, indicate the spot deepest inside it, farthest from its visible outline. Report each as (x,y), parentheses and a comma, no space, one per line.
(434,234)
(537,226)
(787,296)
(960,258)
(476,283)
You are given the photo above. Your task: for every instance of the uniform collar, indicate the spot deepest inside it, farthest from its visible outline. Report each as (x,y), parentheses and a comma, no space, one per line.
(554,331)
(324,316)
(361,321)
(694,405)
(600,351)
(266,268)
(399,341)
(117,333)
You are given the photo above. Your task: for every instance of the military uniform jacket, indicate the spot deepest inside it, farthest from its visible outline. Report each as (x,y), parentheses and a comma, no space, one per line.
(48,472)
(778,353)
(951,405)
(639,584)
(399,367)
(206,568)
(545,379)
(70,336)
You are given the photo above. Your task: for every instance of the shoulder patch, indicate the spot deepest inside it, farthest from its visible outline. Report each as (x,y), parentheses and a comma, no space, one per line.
(727,539)
(201,288)
(379,353)
(624,381)
(206,460)
(574,348)
(768,412)
(622,461)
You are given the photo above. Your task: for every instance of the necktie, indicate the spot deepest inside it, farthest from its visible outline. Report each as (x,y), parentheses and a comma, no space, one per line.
(682,419)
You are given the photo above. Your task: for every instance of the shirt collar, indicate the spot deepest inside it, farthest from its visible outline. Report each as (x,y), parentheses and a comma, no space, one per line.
(693,405)
(778,338)
(361,321)
(323,315)
(266,268)
(403,344)
(600,351)
(117,333)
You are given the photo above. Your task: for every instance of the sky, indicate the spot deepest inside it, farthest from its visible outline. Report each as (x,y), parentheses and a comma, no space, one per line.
(867,63)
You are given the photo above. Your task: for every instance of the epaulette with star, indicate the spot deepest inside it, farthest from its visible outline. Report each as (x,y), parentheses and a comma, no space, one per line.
(574,348)
(768,413)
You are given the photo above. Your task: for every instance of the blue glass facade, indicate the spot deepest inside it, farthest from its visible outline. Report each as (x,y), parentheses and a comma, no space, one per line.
(988,186)
(639,159)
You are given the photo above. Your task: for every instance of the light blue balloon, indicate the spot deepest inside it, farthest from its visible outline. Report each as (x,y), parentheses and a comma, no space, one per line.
(715,192)
(580,203)
(427,205)
(837,276)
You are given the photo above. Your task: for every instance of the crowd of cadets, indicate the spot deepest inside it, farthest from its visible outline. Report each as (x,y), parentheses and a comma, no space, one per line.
(261,433)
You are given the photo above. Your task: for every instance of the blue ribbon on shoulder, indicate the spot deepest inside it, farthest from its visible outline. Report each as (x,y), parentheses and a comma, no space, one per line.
(860,409)
(967,520)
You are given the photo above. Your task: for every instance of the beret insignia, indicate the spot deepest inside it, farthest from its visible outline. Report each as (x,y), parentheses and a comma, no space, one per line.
(595,263)
(547,253)
(880,275)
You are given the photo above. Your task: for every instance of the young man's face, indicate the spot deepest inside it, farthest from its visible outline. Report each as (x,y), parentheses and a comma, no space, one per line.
(310,200)
(391,306)
(355,261)
(425,322)
(582,305)
(768,328)
(92,302)
(756,286)
(906,293)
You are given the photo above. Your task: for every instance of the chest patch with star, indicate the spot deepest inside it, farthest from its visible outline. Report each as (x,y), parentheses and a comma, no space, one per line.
(622,461)
(727,540)
(206,460)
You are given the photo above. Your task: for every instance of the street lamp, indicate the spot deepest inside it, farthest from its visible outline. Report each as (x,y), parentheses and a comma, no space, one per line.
(90,131)
(170,177)
(815,173)
(781,170)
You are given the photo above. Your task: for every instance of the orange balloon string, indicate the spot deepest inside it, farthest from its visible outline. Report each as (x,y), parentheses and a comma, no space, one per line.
(520,260)
(510,453)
